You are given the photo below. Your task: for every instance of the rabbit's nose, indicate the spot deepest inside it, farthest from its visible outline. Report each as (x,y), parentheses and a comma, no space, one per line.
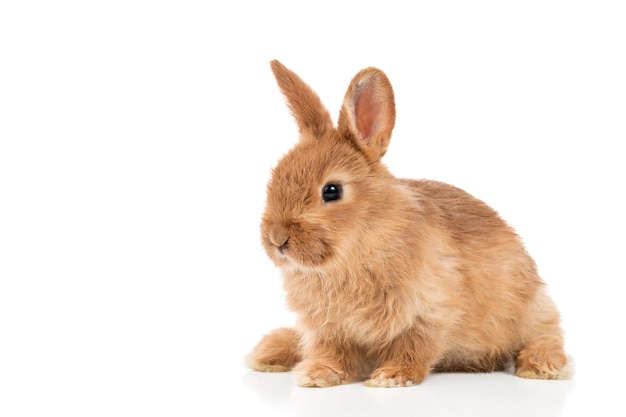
(282,248)
(279,238)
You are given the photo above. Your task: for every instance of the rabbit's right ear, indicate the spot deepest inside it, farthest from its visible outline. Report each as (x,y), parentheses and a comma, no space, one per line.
(305,105)
(368,114)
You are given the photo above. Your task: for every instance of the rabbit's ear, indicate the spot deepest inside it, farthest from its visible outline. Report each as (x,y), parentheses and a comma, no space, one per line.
(368,113)
(305,105)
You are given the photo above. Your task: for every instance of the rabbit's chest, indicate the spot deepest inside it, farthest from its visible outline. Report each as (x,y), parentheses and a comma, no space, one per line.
(362,312)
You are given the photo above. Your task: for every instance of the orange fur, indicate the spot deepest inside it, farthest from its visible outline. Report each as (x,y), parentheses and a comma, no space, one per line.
(398,277)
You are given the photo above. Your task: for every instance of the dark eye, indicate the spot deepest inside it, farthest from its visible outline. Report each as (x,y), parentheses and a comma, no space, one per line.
(331,192)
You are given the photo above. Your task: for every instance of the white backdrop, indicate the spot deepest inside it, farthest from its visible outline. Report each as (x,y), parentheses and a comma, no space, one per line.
(136,139)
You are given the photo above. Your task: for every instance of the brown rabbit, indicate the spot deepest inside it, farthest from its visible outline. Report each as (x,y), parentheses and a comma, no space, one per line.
(391,278)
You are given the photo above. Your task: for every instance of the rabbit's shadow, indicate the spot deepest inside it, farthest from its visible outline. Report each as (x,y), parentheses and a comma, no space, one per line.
(493,394)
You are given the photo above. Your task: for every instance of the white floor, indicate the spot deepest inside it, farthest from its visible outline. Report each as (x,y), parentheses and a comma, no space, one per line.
(136,139)
(494,394)
(595,389)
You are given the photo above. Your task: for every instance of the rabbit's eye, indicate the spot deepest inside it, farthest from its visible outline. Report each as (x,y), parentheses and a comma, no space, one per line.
(331,192)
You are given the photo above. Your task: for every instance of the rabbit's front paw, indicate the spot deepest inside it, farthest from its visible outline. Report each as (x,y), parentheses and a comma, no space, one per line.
(276,352)
(311,373)
(396,376)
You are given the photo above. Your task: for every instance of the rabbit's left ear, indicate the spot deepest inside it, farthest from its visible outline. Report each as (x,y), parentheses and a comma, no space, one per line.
(368,113)
(306,106)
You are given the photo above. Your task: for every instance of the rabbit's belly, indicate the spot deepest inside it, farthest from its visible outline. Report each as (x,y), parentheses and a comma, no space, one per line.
(460,360)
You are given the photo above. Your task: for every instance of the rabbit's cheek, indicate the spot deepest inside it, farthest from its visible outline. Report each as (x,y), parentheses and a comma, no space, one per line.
(303,255)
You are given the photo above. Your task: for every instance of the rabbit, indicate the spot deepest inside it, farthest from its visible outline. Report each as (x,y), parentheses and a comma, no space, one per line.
(391,279)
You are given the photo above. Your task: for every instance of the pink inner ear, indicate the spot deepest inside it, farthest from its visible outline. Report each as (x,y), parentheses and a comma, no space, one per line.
(366,111)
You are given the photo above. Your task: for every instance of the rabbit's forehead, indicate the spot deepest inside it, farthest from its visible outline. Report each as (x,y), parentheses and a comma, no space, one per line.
(311,163)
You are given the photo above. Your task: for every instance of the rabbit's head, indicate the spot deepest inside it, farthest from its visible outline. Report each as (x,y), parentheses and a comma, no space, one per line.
(330,198)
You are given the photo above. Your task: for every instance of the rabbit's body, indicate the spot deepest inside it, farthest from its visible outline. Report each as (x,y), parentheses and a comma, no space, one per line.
(392,278)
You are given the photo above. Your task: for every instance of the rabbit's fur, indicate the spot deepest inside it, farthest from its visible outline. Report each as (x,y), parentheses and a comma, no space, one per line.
(391,278)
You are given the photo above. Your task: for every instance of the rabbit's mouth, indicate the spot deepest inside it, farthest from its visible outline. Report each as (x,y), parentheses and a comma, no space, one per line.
(297,257)
(296,253)
(297,243)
